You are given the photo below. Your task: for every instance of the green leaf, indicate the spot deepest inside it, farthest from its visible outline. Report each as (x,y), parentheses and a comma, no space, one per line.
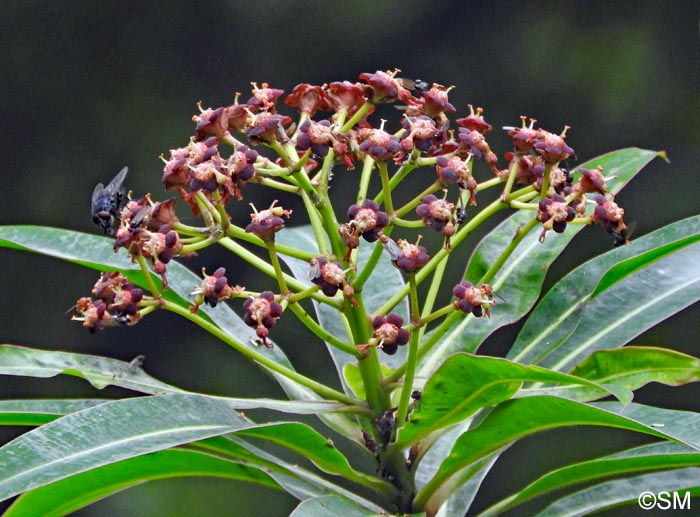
(98,371)
(39,412)
(68,495)
(111,432)
(661,456)
(520,280)
(515,419)
(324,506)
(545,337)
(633,367)
(627,491)
(466,383)
(308,443)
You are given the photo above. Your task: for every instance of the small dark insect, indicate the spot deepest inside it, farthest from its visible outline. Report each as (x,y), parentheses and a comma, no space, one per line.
(106,202)
(623,236)
(413,84)
(460,215)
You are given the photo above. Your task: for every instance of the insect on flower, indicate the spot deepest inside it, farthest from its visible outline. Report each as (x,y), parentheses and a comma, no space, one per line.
(106,201)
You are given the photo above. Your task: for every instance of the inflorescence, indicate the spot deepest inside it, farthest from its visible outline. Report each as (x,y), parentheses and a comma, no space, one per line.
(334,129)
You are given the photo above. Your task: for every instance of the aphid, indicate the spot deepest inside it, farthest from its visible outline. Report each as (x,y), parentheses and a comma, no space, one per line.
(106,202)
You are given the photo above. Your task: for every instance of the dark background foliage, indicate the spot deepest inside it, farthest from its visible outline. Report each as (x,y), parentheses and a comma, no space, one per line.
(88,87)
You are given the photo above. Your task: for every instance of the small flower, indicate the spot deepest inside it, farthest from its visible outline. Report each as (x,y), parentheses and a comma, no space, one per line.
(591,180)
(406,256)
(307,99)
(611,215)
(267,222)
(318,136)
(388,331)
(161,213)
(345,96)
(421,133)
(472,299)
(474,143)
(457,170)
(379,144)
(267,127)
(330,276)
(554,213)
(264,98)
(214,289)
(240,166)
(384,87)
(475,121)
(211,122)
(367,220)
(437,214)
(524,137)
(434,101)
(94,315)
(552,147)
(262,313)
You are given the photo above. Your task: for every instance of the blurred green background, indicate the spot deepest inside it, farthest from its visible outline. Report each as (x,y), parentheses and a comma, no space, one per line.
(87,87)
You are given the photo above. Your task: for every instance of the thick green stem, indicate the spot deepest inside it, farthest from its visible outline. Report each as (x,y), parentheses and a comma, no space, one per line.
(411,361)
(320,332)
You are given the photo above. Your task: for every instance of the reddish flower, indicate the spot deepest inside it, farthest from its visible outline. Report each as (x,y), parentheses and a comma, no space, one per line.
(214,289)
(591,180)
(475,121)
(435,101)
(474,143)
(437,214)
(262,313)
(318,136)
(457,170)
(524,137)
(307,99)
(240,166)
(388,331)
(421,133)
(345,96)
(380,145)
(267,127)
(384,87)
(267,222)
(472,299)
(406,256)
(211,122)
(552,147)
(611,215)
(554,213)
(367,220)
(264,98)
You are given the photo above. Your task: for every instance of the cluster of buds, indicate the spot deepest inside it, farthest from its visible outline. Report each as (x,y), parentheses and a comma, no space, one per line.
(266,223)
(388,334)
(366,221)
(116,302)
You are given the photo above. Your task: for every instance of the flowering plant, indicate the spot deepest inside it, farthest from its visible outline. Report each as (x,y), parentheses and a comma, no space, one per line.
(370,280)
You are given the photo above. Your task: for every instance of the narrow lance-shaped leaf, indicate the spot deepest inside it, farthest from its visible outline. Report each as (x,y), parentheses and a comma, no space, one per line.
(71,494)
(560,311)
(632,305)
(467,383)
(98,371)
(111,432)
(514,419)
(658,456)
(520,280)
(676,488)
(307,442)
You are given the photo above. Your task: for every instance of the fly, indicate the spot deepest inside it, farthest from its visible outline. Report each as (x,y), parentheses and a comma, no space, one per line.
(107,201)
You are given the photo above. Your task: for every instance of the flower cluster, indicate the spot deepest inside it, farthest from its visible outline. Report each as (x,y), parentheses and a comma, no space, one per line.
(251,144)
(116,302)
